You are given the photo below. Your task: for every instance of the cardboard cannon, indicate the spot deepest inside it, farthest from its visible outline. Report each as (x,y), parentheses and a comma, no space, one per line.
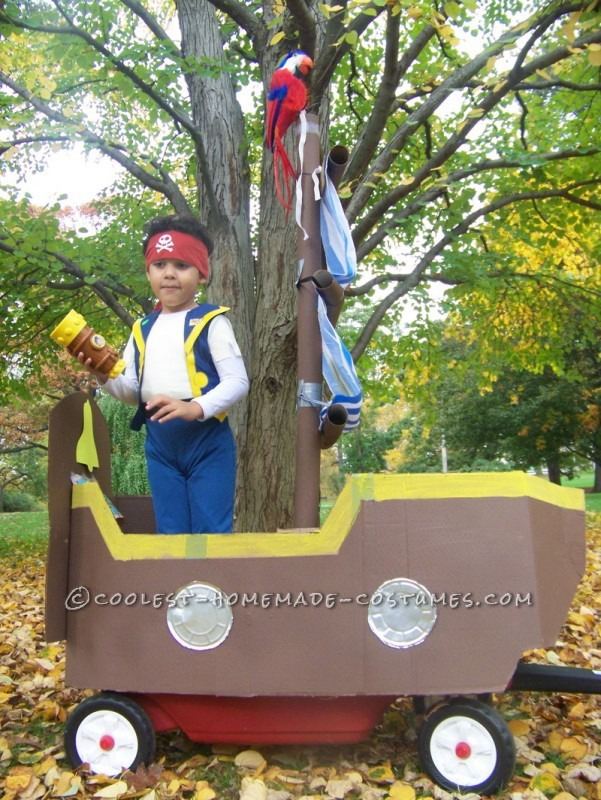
(418,585)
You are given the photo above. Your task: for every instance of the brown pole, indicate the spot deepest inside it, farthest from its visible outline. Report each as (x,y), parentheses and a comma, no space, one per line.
(309,390)
(331,293)
(336,163)
(333,426)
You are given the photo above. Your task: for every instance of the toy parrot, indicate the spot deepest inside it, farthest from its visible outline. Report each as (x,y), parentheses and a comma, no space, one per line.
(286,98)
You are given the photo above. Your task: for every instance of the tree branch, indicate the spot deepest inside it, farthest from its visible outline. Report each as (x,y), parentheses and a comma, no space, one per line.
(6,146)
(166,187)
(393,72)
(20,449)
(306,25)
(176,114)
(240,13)
(559,84)
(151,23)
(331,54)
(523,116)
(582,202)
(99,287)
(416,275)
(383,162)
(434,192)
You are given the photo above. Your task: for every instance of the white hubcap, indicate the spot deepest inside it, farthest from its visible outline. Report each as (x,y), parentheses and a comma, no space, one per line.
(106,741)
(463,751)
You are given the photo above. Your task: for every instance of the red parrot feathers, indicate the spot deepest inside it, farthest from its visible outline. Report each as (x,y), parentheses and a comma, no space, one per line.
(286,98)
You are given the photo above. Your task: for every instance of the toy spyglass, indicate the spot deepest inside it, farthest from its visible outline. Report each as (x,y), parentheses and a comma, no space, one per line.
(76,335)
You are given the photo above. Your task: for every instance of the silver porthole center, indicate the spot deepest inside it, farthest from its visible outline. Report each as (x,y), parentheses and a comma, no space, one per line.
(401,613)
(199,617)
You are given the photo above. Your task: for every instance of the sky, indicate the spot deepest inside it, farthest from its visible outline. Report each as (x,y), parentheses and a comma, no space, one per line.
(73,173)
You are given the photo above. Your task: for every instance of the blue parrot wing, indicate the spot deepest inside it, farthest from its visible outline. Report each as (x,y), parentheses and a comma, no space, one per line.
(275,98)
(277,93)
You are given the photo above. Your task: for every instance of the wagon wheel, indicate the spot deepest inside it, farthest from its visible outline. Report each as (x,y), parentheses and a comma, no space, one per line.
(466,745)
(110,733)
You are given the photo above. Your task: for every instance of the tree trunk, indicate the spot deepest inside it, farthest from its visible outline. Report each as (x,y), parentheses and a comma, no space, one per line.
(262,297)
(271,429)
(554,472)
(597,479)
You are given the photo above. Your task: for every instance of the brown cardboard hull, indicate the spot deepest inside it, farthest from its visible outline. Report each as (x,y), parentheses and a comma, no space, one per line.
(300,624)
(500,556)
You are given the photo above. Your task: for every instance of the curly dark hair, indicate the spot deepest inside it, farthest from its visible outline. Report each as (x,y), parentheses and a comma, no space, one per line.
(184,223)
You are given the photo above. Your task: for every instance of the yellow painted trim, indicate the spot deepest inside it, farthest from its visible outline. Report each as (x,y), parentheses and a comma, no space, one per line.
(140,343)
(428,486)
(198,379)
(200,326)
(328,539)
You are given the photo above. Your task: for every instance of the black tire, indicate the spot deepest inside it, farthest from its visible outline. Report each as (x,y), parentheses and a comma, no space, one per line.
(119,736)
(466,746)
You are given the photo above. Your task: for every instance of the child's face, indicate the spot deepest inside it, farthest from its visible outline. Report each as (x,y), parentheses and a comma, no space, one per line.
(175,284)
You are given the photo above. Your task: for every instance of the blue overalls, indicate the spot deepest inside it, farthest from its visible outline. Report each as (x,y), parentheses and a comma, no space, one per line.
(191,465)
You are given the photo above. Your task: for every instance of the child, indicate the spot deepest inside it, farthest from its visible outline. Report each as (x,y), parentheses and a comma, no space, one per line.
(184,370)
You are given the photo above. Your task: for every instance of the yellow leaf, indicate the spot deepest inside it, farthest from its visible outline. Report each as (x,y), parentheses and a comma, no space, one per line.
(277,37)
(173,786)
(4,696)
(52,776)
(17,783)
(114,790)
(68,785)
(205,793)
(574,748)
(551,768)
(401,791)
(151,795)
(594,57)
(545,782)
(519,727)
(381,774)
(577,711)
(555,739)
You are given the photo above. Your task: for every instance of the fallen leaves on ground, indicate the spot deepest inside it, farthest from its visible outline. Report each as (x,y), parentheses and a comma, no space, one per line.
(558,737)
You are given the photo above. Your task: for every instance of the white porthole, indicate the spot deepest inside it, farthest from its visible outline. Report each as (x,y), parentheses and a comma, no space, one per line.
(199,617)
(401,613)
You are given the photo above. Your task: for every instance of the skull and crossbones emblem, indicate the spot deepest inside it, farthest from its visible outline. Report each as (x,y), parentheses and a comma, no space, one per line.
(165,242)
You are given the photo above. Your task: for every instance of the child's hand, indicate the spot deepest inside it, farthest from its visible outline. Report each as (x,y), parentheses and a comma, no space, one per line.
(168,408)
(87,363)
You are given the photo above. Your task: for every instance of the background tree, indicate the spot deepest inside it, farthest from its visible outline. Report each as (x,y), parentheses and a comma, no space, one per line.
(455,114)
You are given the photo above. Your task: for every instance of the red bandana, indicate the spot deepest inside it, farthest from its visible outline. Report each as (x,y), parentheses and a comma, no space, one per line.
(176,246)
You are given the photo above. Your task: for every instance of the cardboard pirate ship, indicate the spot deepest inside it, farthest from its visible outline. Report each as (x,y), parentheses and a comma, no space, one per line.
(496,558)
(421,585)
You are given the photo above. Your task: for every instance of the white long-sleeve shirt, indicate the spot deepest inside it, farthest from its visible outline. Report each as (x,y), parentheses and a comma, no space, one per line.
(165,370)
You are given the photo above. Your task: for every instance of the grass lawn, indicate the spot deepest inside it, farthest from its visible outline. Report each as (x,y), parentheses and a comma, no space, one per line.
(23,533)
(585,481)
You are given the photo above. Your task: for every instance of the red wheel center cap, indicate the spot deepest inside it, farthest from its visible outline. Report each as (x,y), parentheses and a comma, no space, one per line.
(463,750)
(106,742)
